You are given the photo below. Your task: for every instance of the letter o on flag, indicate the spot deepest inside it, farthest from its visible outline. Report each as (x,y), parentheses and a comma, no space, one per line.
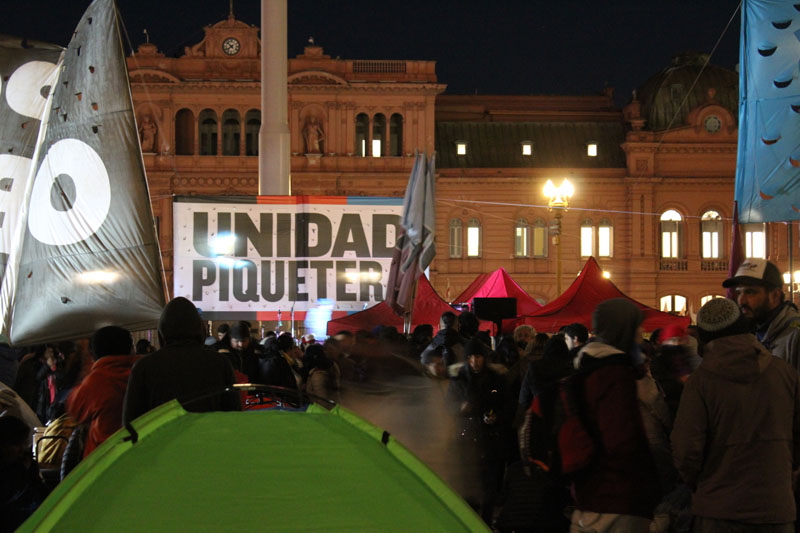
(89,209)
(25,87)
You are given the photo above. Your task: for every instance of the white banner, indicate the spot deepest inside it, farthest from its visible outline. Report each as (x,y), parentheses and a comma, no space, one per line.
(284,252)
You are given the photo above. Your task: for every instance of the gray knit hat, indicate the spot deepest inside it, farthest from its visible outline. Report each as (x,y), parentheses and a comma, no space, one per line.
(721,317)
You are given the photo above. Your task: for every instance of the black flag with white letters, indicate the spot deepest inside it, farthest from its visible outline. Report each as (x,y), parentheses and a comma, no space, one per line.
(27,73)
(89,256)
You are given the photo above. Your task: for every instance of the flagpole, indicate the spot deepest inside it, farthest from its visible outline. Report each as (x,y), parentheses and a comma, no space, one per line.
(409,315)
(791,273)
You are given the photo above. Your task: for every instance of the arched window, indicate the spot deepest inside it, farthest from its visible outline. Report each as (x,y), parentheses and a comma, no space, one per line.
(231,132)
(711,234)
(671,232)
(207,124)
(539,240)
(396,135)
(674,303)
(378,134)
(705,299)
(362,129)
(605,238)
(455,238)
(473,238)
(252,126)
(755,241)
(184,132)
(587,238)
(522,238)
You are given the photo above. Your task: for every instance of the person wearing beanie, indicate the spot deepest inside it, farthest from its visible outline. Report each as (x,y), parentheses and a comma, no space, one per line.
(244,352)
(619,490)
(736,438)
(758,286)
(183,369)
(477,397)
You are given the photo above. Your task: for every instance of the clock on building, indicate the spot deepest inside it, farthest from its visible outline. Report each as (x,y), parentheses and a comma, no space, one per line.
(712,124)
(230,46)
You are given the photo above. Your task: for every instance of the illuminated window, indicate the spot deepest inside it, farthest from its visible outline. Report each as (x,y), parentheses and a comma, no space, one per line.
(587,238)
(755,241)
(378,134)
(362,129)
(705,299)
(591,149)
(455,238)
(461,147)
(527,148)
(473,238)
(605,238)
(673,303)
(711,228)
(539,247)
(671,229)
(522,237)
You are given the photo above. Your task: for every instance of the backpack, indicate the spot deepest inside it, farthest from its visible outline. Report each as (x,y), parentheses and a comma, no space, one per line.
(557,435)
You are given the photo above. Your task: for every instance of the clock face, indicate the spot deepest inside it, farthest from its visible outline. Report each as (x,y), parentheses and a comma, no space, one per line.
(230,46)
(712,124)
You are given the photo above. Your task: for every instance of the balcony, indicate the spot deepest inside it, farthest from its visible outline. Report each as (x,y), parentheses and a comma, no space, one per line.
(714,265)
(673,265)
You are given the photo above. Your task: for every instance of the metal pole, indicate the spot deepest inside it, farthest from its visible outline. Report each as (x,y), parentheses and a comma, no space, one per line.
(791,267)
(557,242)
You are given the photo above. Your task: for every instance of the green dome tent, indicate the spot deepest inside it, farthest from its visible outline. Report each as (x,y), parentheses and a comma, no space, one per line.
(264,470)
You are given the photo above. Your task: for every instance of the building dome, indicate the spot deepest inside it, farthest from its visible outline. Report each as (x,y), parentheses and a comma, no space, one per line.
(661,96)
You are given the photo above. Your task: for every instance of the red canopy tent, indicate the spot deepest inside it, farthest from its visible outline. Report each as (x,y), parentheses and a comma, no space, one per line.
(499,284)
(579,300)
(428,308)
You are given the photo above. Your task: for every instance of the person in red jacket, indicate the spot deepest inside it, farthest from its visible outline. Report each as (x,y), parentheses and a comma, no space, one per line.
(98,399)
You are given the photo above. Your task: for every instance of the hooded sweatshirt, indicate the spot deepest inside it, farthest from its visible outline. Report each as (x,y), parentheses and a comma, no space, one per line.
(736,437)
(184,369)
(98,398)
(622,478)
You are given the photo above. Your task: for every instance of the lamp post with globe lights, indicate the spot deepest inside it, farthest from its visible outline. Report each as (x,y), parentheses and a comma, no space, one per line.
(558,201)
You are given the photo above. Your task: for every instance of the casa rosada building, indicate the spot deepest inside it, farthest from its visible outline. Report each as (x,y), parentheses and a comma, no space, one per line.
(653,182)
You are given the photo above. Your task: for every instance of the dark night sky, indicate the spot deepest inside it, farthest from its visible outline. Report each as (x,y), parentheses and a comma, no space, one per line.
(492,47)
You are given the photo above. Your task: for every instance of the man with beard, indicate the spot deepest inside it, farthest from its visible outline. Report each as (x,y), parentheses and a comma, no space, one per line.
(759,292)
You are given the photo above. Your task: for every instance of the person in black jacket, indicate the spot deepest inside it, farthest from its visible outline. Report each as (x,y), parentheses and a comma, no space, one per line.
(183,369)
(477,395)
(279,366)
(244,352)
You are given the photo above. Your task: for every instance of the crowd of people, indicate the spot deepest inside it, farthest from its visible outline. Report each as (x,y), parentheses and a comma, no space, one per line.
(693,428)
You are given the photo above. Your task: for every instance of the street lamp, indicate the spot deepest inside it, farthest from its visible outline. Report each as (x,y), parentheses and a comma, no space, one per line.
(558,201)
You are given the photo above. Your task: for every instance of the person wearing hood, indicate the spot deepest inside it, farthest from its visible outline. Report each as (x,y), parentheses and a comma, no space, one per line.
(183,369)
(619,489)
(736,438)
